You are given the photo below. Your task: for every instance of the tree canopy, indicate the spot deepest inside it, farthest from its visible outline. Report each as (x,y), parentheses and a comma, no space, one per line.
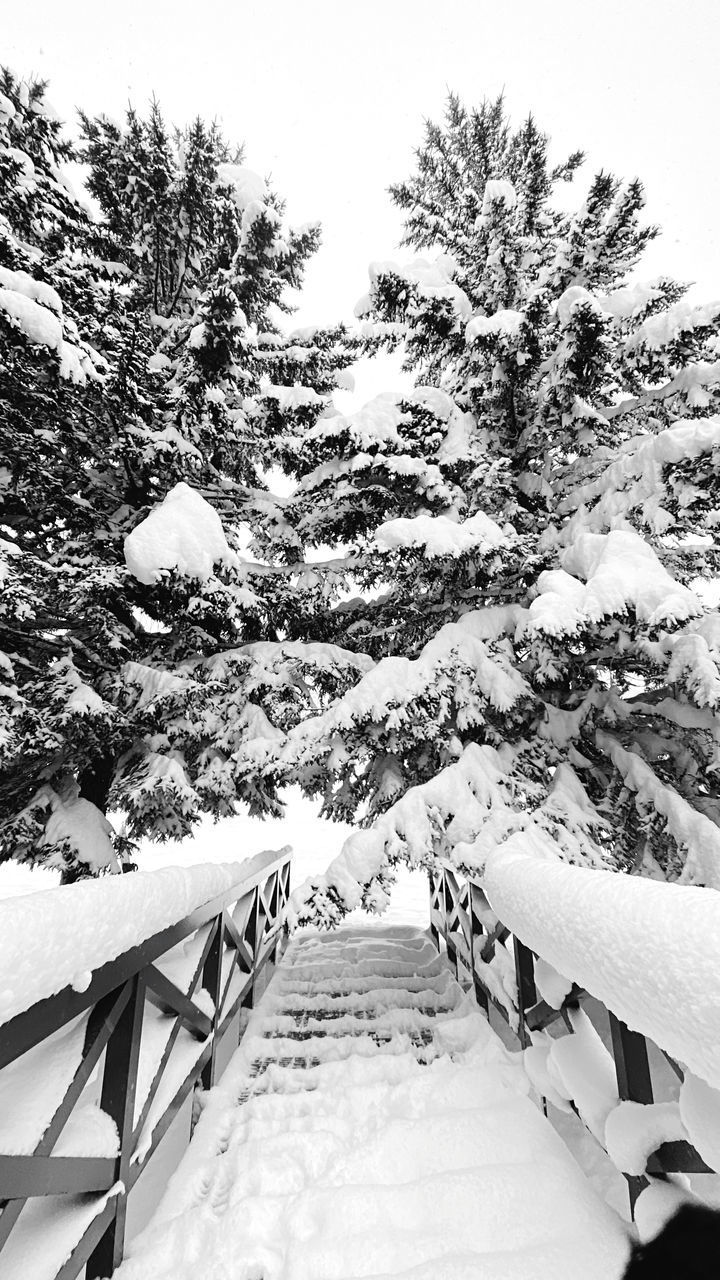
(479,615)
(145,357)
(546,667)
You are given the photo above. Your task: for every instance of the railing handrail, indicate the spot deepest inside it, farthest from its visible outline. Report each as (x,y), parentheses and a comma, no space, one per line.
(463,914)
(26,1029)
(231,953)
(624,940)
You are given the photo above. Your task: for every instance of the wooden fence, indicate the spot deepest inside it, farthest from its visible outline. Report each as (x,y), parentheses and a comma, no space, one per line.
(237,933)
(461,915)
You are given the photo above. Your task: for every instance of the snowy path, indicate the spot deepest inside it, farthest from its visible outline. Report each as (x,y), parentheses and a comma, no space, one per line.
(371,1124)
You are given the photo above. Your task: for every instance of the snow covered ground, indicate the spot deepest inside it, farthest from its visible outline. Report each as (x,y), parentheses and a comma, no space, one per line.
(382,1130)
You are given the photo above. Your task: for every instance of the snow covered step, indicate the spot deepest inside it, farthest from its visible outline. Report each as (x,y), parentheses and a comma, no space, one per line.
(405,1018)
(380,953)
(342,970)
(377,1028)
(344,940)
(300,1055)
(446,1141)
(403,956)
(349,1231)
(268,1116)
(372,1125)
(343,1022)
(337,988)
(445,996)
(339,972)
(373,936)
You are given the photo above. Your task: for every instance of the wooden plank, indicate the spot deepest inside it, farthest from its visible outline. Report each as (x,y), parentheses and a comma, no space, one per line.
(634,1081)
(102,1022)
(156,1080)
(631,1063)
(212,982)
(118,1101)
(677,1157)
(168,1115)
(236,940)
(499,934)
(9,1216)
(174,1106)
(169,1046)
(170,999)
(83,1249)
(24,1176)
(542,1014)
(527,993)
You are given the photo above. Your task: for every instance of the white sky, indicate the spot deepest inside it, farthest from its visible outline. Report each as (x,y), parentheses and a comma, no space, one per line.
(329,98)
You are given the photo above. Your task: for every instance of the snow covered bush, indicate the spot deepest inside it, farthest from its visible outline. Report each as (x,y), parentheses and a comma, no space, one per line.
(535,520)
(150,378)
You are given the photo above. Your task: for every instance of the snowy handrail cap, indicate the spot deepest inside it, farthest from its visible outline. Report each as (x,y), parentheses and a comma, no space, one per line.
(649,950)
(56,938)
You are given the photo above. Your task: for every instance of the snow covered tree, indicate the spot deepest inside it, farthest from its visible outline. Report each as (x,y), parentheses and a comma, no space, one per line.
(531,524)
(149,665)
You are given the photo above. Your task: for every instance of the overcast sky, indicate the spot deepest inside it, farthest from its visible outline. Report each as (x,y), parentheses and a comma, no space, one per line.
(329,97)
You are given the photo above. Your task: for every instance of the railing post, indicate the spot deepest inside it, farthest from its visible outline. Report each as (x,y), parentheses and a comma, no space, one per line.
(283,895)
(118,1100)
(432,885)
(634,1082)
(212,983)
(251,937)
(448,907)
(527,994)
(476,931)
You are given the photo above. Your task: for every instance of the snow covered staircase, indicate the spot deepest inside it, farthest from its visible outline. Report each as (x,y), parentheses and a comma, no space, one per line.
(372,1125)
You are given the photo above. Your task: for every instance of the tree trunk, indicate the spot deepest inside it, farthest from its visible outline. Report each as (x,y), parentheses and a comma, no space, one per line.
(71,874)
(96,780)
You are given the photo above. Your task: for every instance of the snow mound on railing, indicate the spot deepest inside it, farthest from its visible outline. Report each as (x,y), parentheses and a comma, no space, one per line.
(650,951)
(57,938)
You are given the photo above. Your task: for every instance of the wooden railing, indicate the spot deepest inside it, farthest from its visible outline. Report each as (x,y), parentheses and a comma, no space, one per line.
(461,915)
(236,934)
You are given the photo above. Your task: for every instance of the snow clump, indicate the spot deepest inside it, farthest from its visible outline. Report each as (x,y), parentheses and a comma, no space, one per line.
(183,533)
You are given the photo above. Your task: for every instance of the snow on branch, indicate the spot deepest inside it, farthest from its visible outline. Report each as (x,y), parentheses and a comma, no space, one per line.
(375,423)
(36,310)
(466,811)
(441,536)
(621,572)
(684,317)
(413,829)
(504,323)
(689,829)
(634,480)
(430,279)
(391,687)
(183,533)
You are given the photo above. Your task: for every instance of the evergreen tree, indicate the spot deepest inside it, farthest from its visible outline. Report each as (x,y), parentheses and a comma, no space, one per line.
(532,518)
(149,576)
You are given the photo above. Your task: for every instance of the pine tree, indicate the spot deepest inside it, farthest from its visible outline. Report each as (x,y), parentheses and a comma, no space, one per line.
(148,573)
(532,518)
